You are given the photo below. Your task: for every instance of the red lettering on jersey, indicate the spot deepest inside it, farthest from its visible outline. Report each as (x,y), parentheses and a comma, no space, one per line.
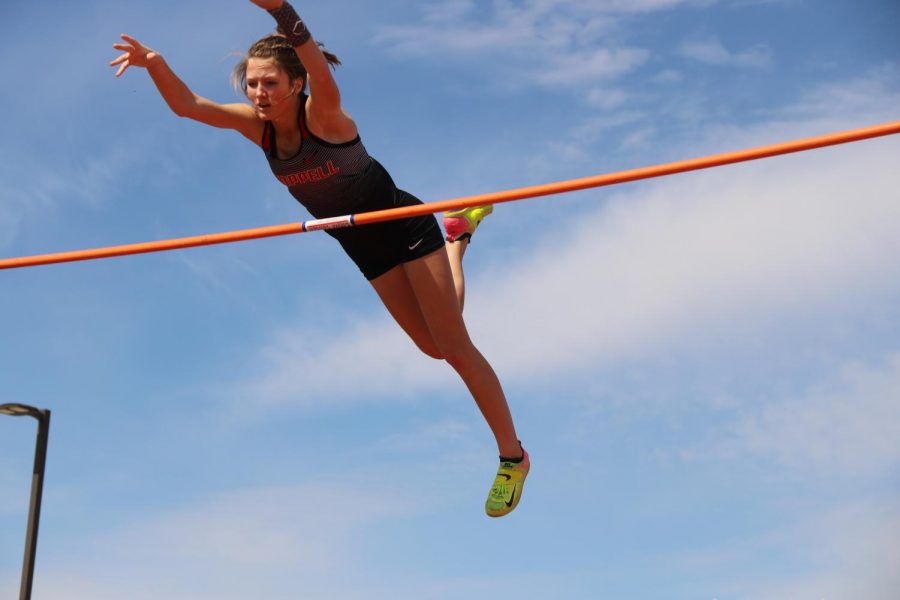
(315,174)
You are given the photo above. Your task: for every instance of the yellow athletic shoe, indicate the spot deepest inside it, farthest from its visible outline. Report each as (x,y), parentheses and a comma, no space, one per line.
(461,224)
(507,489)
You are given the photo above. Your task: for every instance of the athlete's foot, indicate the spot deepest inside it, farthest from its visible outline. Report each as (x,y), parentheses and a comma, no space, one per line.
(507,489)
(461,224)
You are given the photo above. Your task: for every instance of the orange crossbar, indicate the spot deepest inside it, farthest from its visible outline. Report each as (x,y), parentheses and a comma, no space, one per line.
(560,187)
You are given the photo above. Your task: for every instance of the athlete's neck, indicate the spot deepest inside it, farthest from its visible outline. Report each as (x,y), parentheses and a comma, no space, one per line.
(287,128)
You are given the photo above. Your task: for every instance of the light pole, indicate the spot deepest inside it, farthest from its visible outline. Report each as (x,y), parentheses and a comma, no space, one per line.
(37,488)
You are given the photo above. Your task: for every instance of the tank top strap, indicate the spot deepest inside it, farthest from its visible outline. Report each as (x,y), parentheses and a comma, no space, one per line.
(266,142)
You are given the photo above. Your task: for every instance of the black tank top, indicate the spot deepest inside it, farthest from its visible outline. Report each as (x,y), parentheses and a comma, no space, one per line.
(328,179)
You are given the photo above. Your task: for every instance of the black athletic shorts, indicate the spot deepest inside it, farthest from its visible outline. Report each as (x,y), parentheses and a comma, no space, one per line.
(379,247)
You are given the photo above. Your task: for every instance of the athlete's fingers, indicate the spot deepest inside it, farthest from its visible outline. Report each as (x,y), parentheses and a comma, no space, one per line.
(118,59)
(122,68)
(132,41)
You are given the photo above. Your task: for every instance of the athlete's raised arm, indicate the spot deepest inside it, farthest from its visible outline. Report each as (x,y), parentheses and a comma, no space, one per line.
(324,106)
(183,102)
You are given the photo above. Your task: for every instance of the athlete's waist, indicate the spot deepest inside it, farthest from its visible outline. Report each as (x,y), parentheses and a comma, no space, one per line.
(339,195)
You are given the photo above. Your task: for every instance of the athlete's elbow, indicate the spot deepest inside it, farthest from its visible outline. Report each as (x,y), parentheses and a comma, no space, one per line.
(184,110)
(182,105)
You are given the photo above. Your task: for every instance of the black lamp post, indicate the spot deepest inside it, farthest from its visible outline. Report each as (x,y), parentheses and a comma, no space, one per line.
(37,488)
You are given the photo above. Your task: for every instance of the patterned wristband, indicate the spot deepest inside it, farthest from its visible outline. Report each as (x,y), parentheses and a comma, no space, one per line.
(291,24)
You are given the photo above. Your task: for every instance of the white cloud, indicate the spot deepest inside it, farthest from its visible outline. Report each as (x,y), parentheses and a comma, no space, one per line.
(687,260)
(447,11)
(668,77)
(300,368)
(640,138)
(711,51)
(18,200)
(550,43)
(282,526)
(856,551)
(591,65)
(606,98)
(848,551)
(446,433)
(872,97)
(236,544)
(29,184)
(10,219)
(713,250)
(13,491)
(9,587)
(849,426)
(579,142)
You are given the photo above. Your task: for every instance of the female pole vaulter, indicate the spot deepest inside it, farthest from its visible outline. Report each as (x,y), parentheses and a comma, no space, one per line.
(313,147)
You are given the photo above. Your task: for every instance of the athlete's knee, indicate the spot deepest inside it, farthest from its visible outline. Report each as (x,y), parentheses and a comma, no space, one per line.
(433,354)
(455,347)
(460,356)
(430,349)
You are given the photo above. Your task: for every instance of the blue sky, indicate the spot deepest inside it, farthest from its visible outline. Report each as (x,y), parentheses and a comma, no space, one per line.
(705,368)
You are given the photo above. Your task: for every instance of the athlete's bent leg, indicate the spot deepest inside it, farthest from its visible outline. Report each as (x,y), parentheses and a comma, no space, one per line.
(421,297)
(455,252)
(431,281)
(397,295)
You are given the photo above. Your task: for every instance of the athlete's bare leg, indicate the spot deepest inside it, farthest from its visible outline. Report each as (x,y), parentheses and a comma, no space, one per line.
(455,252)
(422,298)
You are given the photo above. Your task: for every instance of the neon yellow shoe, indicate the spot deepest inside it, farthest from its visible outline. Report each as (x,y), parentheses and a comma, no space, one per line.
(507,489)
(462,223)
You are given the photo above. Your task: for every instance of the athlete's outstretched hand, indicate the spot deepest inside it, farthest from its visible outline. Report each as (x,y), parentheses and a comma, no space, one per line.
(135,55)
(268,4)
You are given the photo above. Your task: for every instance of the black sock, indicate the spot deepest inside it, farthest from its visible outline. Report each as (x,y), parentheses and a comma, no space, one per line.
(515,461)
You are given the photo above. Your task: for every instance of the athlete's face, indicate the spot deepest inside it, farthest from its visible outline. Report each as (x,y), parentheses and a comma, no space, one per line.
(269,88)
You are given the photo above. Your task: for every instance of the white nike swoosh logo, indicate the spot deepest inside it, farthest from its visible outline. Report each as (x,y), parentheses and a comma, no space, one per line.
(416,245)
